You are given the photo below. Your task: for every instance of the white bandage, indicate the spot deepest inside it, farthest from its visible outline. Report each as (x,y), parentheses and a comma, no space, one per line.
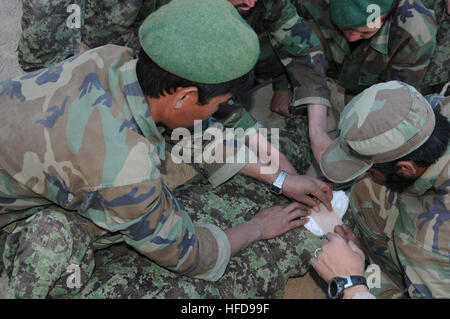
(339,203)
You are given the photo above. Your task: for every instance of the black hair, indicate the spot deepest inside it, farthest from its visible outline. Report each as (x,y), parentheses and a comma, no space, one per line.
(156,82)
(429,152)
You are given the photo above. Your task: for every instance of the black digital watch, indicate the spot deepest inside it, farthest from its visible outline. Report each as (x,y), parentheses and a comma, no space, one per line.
(338,284)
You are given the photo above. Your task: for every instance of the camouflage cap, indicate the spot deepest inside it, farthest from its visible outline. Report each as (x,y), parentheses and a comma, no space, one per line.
(356,13)
(381,124)
(204,41)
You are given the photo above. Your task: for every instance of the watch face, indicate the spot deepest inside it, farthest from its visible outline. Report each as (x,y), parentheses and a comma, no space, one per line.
(336,288)
(332,289)
(275,190)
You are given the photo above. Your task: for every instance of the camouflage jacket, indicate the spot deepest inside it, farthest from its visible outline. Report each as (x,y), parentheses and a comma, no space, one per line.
(401,49)
(419,250)
(79,135)
(295,45)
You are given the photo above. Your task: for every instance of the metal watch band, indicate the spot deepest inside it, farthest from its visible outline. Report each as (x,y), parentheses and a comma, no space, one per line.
(277,186)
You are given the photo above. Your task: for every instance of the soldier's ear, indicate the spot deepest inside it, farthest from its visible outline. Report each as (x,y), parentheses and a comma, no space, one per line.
(407,168)
(185,97)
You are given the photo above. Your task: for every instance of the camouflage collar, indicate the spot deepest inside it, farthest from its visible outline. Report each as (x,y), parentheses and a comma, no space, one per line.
(430,176)
(138,105)
(380,40)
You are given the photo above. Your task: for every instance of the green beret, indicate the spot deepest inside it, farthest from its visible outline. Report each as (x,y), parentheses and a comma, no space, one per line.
(356,13)
(204,41)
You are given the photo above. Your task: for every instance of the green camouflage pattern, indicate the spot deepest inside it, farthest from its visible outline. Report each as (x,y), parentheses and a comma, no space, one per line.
(47,39)
(289,48)
(291,51)
(401,50)
(381,124)
(261,271)
(407,234)
(438,72)
(111,197)
(41,250)
(286,37)
(94,149)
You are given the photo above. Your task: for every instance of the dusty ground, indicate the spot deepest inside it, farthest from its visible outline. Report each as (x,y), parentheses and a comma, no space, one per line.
(10,15)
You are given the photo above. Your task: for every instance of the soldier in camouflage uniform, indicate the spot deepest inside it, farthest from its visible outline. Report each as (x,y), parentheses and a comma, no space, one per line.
(80,171)
(401,209)
(290,52)
(400,48)
(286,43)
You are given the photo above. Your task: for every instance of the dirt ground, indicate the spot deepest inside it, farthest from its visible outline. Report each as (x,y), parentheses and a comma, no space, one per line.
(307,287)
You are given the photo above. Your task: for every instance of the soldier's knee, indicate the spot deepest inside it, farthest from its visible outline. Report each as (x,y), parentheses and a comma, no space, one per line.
(39,252)
(48,230)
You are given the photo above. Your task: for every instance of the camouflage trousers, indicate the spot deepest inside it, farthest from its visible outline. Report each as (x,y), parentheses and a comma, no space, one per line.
(375,225)
(38,255)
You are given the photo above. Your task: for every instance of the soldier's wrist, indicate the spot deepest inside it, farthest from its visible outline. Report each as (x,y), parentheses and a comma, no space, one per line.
(350,292)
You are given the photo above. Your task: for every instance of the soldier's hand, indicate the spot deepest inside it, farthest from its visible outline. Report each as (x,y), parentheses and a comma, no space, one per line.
(338,258)
(308,191)
(345,232)
(277,220)
(281,100)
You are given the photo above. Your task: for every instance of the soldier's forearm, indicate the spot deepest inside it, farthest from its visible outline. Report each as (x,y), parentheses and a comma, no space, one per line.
(243,235)
(317,117)
(269,162)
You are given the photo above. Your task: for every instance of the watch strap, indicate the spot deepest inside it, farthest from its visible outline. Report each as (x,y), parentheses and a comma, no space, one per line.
(354,281)
(277,185)
(339,284)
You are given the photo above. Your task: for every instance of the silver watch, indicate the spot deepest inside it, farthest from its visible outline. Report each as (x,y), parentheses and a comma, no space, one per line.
(277,186)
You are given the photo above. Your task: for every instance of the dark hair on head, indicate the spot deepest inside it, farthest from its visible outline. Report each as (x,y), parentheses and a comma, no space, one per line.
(156,82)
(429,152)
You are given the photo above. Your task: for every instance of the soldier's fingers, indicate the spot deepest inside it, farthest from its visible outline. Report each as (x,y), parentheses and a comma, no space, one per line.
(313,262)
(339,230)
(295,205)
(333,236)
(298,213)
(326,188)
(292,206)
(322,197)
(309,201)
(297,223)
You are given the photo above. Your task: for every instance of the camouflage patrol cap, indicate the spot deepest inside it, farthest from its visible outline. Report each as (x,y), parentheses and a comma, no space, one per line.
(204,41)
(381,124)
(356,13)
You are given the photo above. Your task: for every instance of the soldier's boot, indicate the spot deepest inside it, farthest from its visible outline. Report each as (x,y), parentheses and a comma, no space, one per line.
(47,255)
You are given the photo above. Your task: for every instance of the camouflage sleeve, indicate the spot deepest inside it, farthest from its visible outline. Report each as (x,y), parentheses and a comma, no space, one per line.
(218,148)
(46,39)
(110,22)
(423,247)
(154,222)
(414,51)
(384,287)
(427,273)
(299,49)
